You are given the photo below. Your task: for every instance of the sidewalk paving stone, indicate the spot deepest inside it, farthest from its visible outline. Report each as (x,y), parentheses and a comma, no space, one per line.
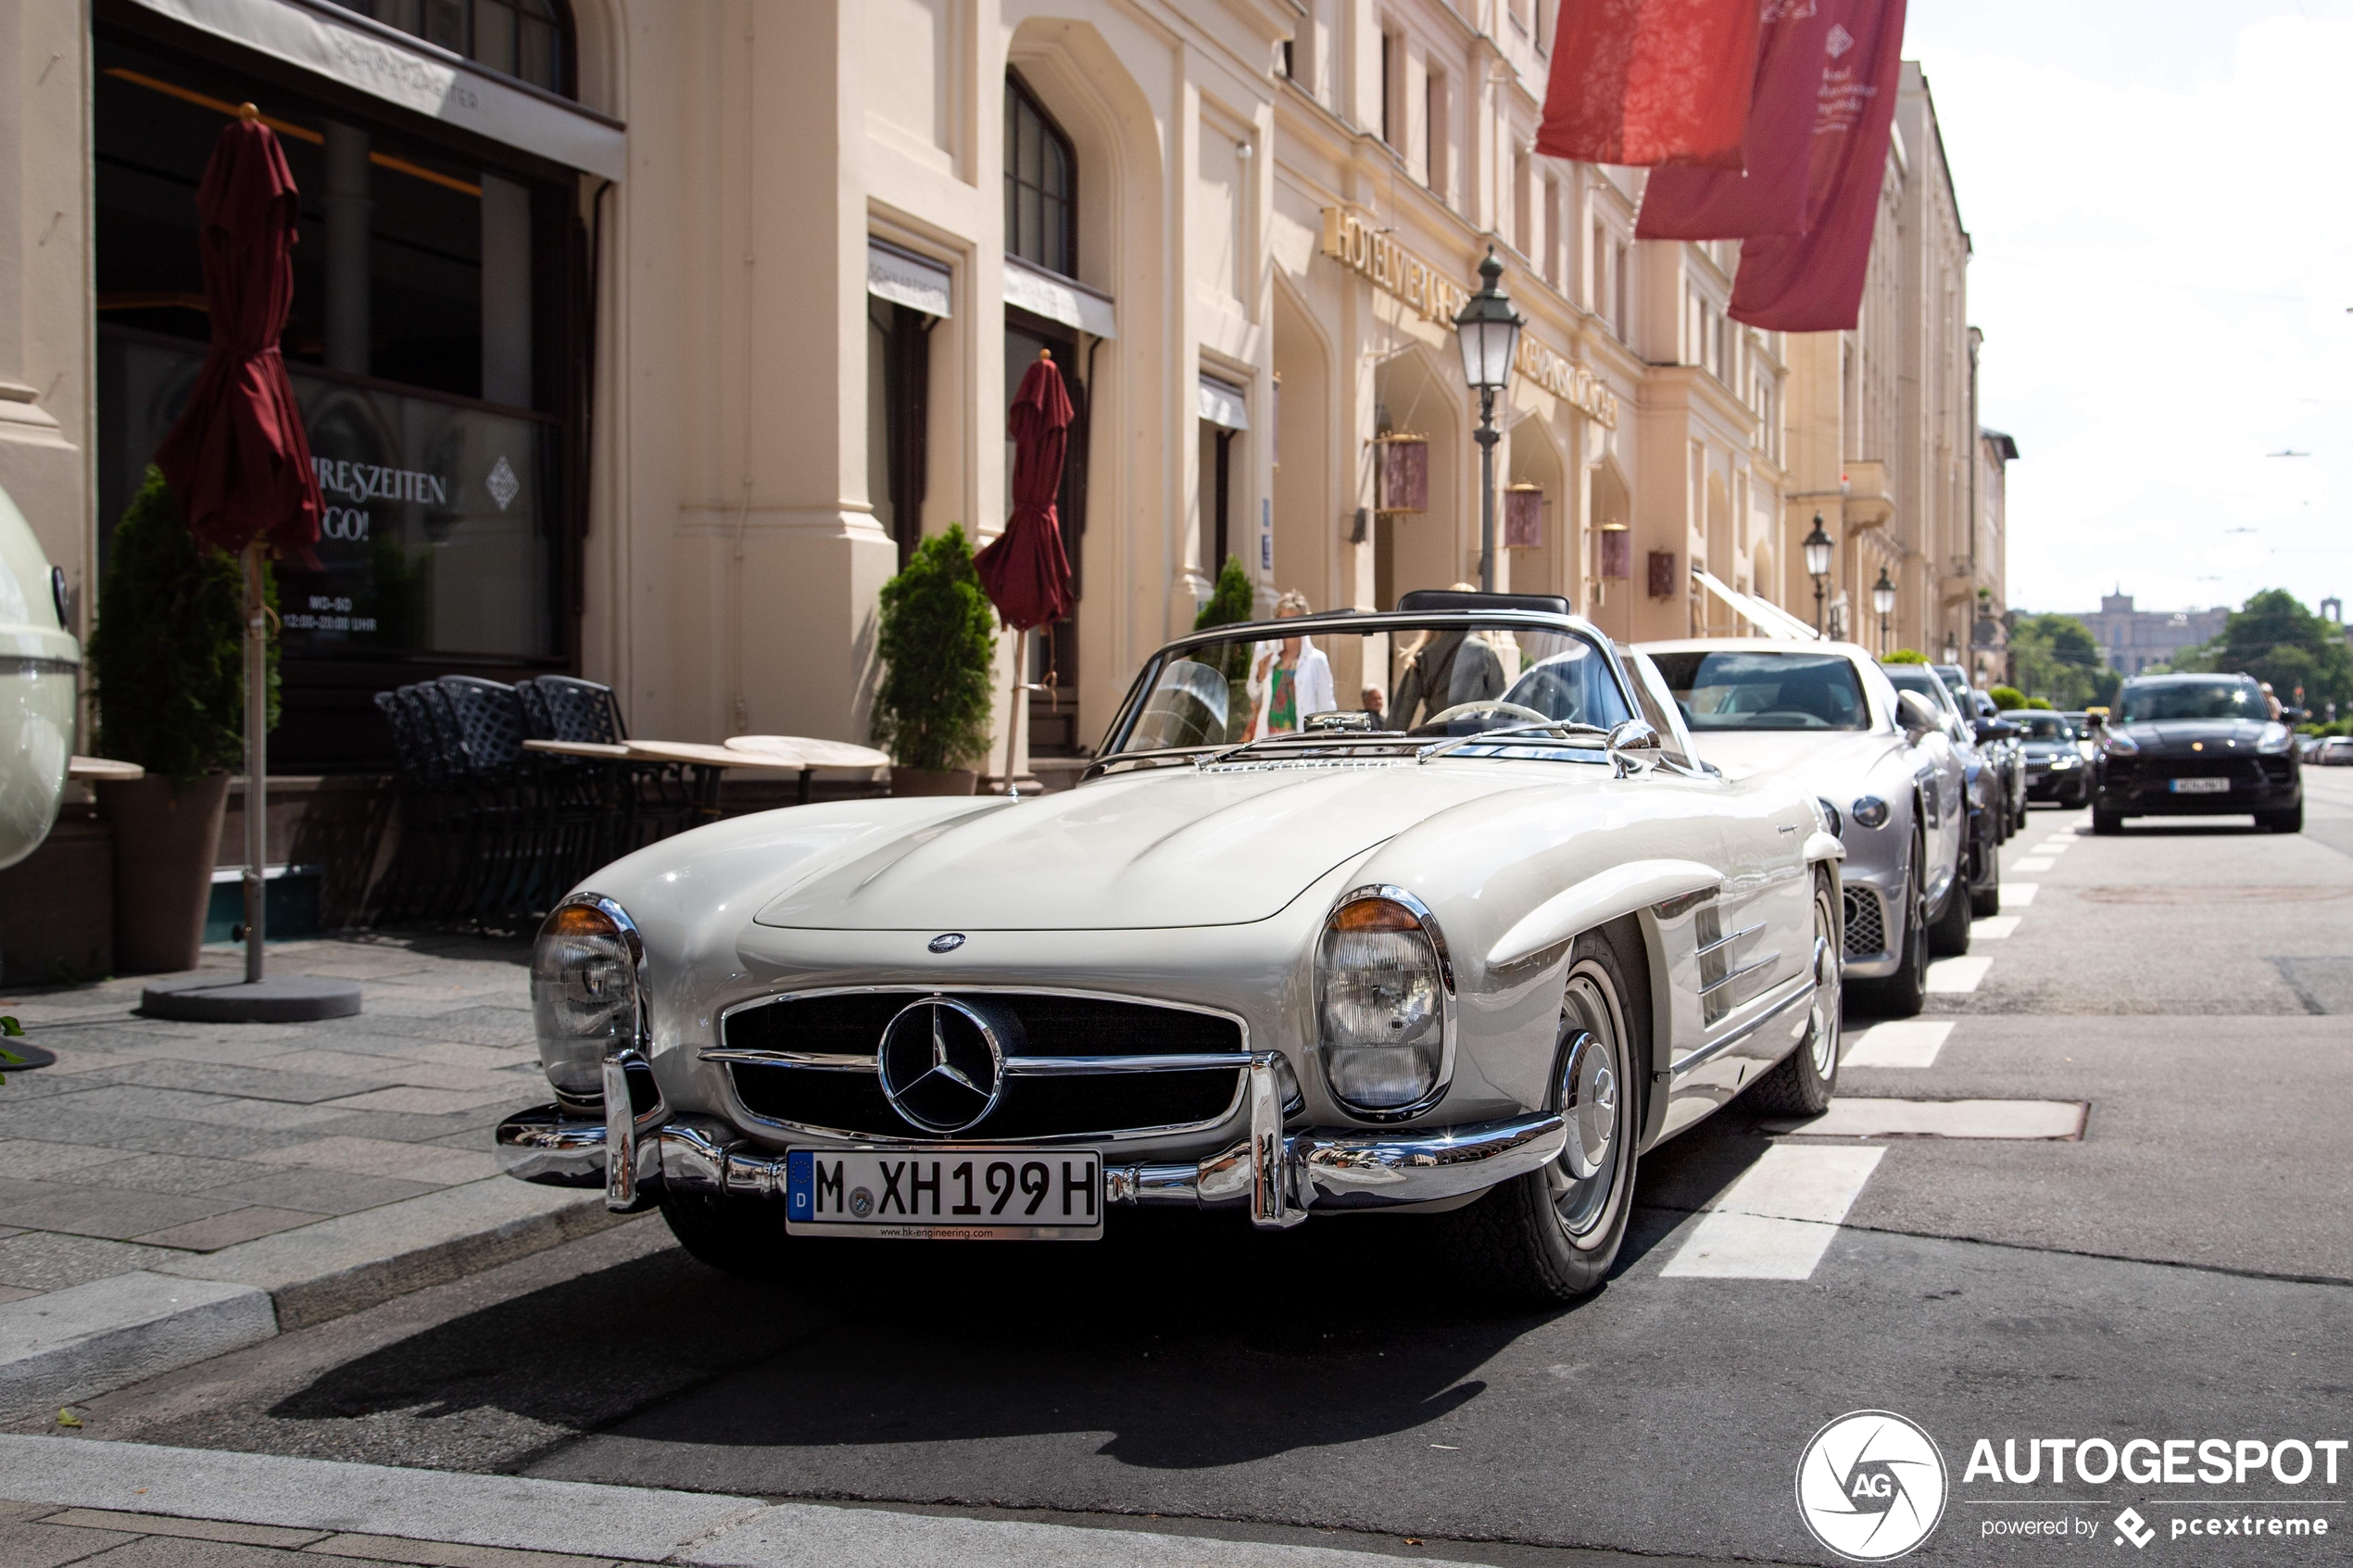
(330,1165)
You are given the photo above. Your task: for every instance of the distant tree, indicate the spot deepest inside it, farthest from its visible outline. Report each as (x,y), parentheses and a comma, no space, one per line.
(2274,638)
(2055,655)
(2006,698)
(2044,704)
(1905,656)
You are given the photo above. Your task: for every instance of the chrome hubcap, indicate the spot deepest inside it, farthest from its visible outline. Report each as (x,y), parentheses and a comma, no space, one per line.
(1589,1102)
(1824,1023)
(1585,1178)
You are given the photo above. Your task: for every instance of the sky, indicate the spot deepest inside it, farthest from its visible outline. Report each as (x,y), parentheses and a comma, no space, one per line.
(2161,209)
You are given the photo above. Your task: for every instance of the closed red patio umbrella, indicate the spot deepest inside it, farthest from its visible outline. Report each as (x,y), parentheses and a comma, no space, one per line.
(1024,570)
(238,462)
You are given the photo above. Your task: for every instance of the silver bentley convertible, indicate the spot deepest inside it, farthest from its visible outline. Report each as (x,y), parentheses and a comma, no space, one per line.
(1464,951)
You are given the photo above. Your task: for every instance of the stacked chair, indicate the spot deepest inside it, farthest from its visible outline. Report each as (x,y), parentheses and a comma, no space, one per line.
(492,835)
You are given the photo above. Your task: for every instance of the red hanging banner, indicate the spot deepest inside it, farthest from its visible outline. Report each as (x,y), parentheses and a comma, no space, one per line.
(1651,82)
(1799,45)
(1813,282)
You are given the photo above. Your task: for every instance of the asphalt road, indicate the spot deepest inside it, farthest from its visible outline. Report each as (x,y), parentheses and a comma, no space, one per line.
(2180,1270)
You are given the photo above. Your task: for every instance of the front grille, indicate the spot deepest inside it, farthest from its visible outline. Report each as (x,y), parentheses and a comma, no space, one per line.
(1866,929)
(852,1024)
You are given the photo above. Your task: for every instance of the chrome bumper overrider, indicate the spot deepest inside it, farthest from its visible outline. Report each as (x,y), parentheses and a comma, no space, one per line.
(1279,1176)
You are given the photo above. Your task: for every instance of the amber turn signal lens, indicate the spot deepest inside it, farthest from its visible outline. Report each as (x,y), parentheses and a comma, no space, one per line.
(579,919)
(1375,914)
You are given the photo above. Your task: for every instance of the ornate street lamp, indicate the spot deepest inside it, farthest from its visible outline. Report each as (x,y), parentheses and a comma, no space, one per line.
(1818,546)
(1884,601)
(1489,331)
(1951,648)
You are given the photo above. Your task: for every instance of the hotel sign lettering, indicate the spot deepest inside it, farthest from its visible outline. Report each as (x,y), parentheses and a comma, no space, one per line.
(1351,239)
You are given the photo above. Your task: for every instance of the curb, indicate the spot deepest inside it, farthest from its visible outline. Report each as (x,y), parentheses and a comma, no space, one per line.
(72,1345)
(594,1519)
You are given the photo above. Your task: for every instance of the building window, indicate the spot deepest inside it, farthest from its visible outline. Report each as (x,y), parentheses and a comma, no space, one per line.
(1434,132)
(1391,57)
(1042,185)
(529,40)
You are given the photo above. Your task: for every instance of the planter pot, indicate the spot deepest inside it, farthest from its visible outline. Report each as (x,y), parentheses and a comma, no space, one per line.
(165,844)
(934,780)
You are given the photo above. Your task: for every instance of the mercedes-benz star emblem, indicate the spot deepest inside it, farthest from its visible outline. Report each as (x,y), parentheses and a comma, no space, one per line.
(942,1064)
(947,942)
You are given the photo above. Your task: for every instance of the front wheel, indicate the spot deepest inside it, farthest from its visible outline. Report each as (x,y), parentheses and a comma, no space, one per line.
(736,1236)
(1553,1234)
(1801,1084)
(2289,820)
(2106,823)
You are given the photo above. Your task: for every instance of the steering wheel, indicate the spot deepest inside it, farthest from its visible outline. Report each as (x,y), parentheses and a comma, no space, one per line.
(1492,706)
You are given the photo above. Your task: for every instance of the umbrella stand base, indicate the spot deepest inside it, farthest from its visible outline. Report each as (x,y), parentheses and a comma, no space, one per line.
(211,999)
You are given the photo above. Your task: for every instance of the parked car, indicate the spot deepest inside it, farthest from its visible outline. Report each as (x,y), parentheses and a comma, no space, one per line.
(2336,751)
(2196,745)
(41,680)
(1285,963)
(1823,713)
(1997,742)
(2056,768)
(1982,790)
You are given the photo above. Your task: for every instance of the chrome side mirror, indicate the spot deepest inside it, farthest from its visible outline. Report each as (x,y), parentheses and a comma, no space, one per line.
(1632,736)
(1916,713)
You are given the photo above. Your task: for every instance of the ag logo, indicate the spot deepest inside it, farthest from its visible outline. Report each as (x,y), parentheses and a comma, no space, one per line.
(1870,1485)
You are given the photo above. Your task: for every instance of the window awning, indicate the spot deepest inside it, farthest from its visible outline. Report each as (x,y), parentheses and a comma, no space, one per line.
(1223,402)
(1058,298)
(904,277)
(1769,619)
(388,65)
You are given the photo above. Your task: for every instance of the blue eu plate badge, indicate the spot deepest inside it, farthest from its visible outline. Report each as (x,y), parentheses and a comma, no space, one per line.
(798,1182)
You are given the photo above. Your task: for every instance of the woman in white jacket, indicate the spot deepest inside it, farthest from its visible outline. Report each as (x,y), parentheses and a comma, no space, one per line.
(1289,680)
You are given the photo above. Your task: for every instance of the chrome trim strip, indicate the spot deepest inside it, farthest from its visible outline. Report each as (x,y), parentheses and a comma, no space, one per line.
(1097,1066)
(1802,987)
(822,1062)
(1704,949)
(1741,973)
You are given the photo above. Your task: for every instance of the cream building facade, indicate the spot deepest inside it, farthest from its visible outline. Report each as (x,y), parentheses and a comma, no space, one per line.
(737,294)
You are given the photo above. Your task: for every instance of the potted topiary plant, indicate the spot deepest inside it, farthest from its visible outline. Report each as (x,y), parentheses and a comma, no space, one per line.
(167,657)
(938,646)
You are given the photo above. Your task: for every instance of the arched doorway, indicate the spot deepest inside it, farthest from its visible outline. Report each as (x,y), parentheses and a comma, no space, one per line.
(1424,549)
(1536,461)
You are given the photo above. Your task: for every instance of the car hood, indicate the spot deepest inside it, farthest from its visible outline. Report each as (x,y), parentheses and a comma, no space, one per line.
(1830,761)
(2177,735)
(1167,847)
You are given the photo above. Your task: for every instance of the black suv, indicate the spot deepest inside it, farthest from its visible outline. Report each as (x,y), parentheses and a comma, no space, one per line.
(2184,745)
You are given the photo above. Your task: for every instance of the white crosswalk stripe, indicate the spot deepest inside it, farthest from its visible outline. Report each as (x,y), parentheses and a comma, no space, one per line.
(1777,1221)
(2018,894)
(2034,863)
(1954,976)
(1994,928)
(1909,1042)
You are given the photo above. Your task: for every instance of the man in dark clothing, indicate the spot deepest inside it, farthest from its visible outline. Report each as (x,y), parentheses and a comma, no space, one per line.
(1448,669)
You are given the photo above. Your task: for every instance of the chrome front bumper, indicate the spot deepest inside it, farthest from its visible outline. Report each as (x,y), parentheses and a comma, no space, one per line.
(1278,1175)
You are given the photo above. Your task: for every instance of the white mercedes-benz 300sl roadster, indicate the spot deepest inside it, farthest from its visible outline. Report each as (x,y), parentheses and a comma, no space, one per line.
(1465,952)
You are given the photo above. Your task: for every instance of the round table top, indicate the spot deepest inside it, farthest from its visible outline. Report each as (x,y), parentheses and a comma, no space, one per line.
(578,748)
(700,756)
(104,768)
(808,752)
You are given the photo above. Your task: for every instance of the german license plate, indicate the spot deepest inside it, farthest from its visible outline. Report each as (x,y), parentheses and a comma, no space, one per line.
(932,1193)
(2201,786)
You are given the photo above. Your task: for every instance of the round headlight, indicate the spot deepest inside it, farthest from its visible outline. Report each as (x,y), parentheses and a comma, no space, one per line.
(1870,811)
(1381,1004)
(584,993)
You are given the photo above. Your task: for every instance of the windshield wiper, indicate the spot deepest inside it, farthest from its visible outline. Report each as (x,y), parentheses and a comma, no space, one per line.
(1340,737)
(1561,727)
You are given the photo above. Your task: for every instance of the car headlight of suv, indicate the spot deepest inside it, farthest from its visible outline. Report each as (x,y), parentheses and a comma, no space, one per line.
(585,1000)
(2276,739)
(1869,811)
(2119,744)
(1384,988)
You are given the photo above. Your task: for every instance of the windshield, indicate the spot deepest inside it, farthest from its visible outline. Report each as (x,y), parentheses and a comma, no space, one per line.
(1764,691)
(1916,678)
(2192,699)
(2046,726)
(1426,681)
